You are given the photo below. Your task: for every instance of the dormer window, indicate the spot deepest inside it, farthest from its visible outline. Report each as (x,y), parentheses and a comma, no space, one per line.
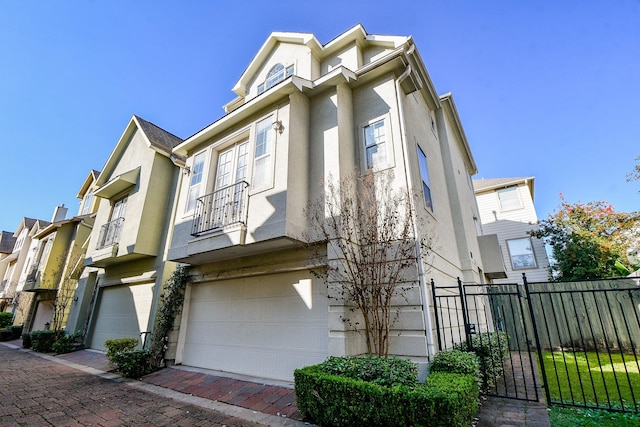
(275,76)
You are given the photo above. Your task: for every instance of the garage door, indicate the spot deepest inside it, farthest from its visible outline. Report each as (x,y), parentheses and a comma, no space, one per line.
(260,326)
(123,312)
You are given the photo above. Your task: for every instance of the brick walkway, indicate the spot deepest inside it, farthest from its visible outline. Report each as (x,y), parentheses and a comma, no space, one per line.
(201,388)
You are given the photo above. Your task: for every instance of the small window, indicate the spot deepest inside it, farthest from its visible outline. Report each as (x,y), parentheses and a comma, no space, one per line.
(521,253)
(277,74)
(375,145)
(509,199)
(424,175)
(195,183)
(86,205)
(262,160)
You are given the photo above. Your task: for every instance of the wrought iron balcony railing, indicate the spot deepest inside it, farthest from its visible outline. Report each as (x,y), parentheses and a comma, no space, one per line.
(110,233)
(32,275)
(223,207)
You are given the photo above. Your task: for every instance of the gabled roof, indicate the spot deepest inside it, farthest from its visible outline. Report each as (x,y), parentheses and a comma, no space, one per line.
(91,178)
(482,185)
(156,138)
(7,241)
(356,33)
(24,223)
(449,106)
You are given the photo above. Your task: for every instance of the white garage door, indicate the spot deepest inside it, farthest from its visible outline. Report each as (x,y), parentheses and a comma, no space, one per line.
(260,326)
(123,313)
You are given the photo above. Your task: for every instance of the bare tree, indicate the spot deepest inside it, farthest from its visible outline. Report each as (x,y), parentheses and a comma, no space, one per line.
(372,250)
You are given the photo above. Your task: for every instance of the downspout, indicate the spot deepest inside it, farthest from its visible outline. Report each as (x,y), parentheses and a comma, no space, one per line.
(403,135)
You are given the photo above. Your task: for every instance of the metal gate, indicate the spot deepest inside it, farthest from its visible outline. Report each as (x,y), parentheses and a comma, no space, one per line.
(582,339)
(465,313)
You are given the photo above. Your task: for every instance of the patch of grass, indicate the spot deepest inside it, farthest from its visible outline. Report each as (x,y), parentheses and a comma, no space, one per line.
(593,378)
(581,417)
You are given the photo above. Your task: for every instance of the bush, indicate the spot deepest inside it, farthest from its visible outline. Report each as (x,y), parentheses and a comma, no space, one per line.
(26,340)
(491,348)
(6,319)
(16,331)
(386,371)
(118,345)
(457,362)
(444,400)
(5,335)
(133,363)
(65,343)
(42,341)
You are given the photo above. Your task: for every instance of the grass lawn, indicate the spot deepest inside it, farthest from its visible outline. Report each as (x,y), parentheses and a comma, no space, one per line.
(593,378)
(580,417)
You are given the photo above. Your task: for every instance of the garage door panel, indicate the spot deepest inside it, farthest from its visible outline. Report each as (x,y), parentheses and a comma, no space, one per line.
(257,327)
(123,313)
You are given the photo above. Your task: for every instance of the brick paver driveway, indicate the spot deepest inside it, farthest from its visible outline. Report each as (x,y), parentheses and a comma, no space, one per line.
(38,392)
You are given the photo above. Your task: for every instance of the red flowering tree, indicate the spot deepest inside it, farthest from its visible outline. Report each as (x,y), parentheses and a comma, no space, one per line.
(589,240)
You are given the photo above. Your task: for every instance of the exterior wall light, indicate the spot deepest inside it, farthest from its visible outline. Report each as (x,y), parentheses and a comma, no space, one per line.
(277,126)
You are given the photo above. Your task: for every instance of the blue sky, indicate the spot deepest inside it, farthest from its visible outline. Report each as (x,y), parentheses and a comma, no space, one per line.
(544,89)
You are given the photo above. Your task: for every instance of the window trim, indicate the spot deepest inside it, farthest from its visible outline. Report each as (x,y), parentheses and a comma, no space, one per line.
(388,143)
(533,254)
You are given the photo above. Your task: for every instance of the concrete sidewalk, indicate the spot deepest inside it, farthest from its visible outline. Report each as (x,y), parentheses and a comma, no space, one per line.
(270,404)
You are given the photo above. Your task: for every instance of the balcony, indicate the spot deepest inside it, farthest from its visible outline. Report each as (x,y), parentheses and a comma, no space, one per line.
(221,208)
(32,279)
(110,233)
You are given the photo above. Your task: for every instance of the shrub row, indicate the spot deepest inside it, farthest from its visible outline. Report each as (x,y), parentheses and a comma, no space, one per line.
(6,318)
(386,371)
(446,399)
(491,349)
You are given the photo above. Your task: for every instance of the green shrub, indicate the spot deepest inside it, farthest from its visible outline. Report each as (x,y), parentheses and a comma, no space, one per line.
(65,343)
(42,341)
(118,345)
(16,331)
(444,400)
(457,362)
(386,371)
(133,363)
(26,340)
(491,348)
(6,319)
(5,335)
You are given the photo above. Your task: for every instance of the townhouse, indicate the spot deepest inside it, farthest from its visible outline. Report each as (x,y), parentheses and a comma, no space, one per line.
(507,213)
(305,113)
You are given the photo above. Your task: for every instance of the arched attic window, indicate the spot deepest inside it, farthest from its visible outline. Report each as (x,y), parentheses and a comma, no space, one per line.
(277,73)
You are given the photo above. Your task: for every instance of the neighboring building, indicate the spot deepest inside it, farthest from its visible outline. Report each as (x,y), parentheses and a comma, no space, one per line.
(125,258)
(15,268)
(507,210)
(304,113)
(54,269)
(7,241)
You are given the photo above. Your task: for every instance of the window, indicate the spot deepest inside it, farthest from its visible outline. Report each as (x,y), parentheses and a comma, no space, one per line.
(262,161)
(86,205)
(509,199)
(275,76)
(375,145)
(521,253)
(424,175)
(195,184)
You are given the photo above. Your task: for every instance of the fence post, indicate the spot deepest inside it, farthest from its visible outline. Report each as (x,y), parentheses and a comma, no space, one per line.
(437,314)
(537,337)
(465,319)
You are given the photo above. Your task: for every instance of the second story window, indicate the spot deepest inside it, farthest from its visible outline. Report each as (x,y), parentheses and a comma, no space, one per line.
(110,232)
(195,183)
(275,76)
(424,175)
(509,199)
(262,161)
(375,145)
(86,205)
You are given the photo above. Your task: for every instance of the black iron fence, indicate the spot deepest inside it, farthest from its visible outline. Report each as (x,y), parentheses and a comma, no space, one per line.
(223,207)
(582,339)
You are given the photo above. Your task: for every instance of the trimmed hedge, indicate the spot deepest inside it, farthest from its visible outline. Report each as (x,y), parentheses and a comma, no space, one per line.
(445,399)
(16,331)
(491,348)
(117,345)
(457,362)
(6,319)
(133,363)
(42,341)
(386,371)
